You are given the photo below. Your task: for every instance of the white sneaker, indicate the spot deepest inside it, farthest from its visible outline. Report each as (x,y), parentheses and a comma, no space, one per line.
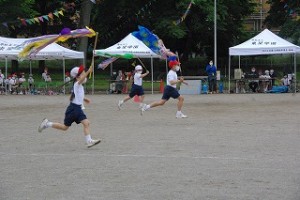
(43,125)
(120,103)
(180,115)
(141,105)
(143,109)
(92,143)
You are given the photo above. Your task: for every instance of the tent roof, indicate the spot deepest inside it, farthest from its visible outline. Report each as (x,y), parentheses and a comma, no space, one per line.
(264,43)
(50,52)
(128,45)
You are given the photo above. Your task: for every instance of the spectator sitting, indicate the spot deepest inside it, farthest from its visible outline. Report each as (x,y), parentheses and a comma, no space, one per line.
(265,82)
(253,82)
(13,84)
(48,78)
(119,84)
(44,74)
(285,80)
(1,82)
(21,80)
(31,84)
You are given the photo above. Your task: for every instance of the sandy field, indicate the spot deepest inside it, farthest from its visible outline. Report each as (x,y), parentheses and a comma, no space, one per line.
(231,147)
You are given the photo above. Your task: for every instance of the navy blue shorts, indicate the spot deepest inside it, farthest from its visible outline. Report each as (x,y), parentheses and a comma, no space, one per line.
(169,92)
(136,90)
(74,113)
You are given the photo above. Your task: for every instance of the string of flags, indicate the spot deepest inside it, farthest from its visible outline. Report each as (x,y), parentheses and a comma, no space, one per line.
(31,21)
(292,12)
(185,14)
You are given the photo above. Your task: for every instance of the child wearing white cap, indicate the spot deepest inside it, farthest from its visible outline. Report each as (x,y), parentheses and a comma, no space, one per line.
(137,88)
(170,90)
(74,112)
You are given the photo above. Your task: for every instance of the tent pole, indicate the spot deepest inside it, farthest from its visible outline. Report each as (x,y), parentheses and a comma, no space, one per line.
(229,74)
(152,73)
(239,62)
(6,75)
(295,73)
(93,78)
(64,74)
(30,67)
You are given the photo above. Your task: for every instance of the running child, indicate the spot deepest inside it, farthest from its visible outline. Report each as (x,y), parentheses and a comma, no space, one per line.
(170,90)
(137,88)
(74,112)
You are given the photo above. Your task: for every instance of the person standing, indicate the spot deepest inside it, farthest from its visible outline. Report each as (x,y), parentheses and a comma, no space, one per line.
(74,112)
(137,88)
(170,90)
(211,71)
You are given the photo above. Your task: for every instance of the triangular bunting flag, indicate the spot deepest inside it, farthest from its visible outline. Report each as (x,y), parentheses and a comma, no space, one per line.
(50,15)
(45,17)
(56,14)
(23,22)
(37,20)
(41,19)
(61,13)
(5,24)
(28,21)
(32,20)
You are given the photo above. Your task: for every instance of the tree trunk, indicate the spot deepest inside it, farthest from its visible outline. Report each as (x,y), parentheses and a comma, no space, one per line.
(85,16)
(44,28)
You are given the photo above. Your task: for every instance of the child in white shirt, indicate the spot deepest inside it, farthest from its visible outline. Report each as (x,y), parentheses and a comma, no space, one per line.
(170,90)
(74,112)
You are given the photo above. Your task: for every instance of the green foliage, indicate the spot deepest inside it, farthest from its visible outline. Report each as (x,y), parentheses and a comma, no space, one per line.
(285,15)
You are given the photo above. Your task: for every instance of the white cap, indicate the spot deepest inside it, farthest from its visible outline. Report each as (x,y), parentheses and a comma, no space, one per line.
(138,67)
(76,71)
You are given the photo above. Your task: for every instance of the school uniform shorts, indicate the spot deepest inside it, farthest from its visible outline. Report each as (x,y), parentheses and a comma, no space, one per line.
(169,92)
(136,90)
(74,113)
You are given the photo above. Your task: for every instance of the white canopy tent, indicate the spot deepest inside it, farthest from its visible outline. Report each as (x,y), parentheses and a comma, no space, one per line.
(265,43)
(132,46)
(11,47)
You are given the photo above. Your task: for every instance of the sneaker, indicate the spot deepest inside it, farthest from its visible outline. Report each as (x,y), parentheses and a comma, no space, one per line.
(180,115)
(141,105)
(120,103)
(43,125)
(143,109)
(92,143)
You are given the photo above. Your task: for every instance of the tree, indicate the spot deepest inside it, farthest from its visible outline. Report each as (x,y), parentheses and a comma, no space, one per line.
(115,19)
(285,15)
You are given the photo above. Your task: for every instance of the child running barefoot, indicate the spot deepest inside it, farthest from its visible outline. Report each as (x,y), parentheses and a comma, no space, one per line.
(136,88)
(170,90)
(74,112)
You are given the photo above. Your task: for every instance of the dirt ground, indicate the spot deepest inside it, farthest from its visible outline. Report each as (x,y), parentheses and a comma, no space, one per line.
(231,146)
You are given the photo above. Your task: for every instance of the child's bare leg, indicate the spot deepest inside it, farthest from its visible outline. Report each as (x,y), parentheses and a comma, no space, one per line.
(180,103)
(86,127)
(158,103)
(142,98)
(59,126)
(126,99)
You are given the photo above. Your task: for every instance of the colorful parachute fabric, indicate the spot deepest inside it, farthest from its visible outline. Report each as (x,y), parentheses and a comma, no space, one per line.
(152,41)
(32,47)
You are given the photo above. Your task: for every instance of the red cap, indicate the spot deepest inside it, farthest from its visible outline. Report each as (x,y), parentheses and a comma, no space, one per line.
(172,63)
(80,70)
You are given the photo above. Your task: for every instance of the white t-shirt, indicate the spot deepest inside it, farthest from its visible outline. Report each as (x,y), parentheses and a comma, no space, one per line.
(137,79)
(79,94)
(172,76)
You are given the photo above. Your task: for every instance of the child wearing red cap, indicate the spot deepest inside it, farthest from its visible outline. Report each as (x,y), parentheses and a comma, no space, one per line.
(137,88)
(74,112)
(170,90)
